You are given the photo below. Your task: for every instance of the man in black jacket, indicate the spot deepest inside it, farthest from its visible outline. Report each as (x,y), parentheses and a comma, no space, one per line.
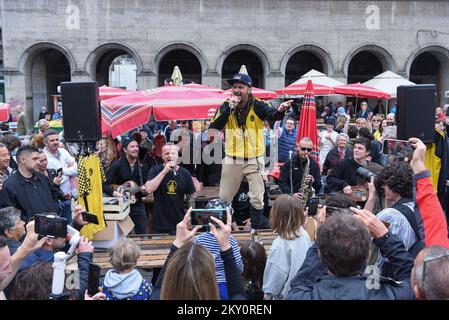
(299,163)
(28,190)
(343,176)
(129,168)
(342,248)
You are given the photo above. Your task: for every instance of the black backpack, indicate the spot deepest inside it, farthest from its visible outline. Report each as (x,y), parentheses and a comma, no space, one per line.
(410,216)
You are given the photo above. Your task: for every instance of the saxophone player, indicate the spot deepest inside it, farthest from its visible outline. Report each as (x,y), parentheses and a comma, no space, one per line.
(298,164)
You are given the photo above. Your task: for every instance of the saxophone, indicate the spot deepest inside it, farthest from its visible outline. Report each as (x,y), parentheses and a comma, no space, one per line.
(306,189)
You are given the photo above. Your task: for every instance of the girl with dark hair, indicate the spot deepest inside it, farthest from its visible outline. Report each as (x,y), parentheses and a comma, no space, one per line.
(254,259)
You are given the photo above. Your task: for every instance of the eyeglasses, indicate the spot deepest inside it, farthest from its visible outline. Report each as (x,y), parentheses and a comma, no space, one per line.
(306,149)
(428,259)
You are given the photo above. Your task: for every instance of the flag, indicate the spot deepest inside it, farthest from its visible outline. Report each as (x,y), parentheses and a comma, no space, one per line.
(307,121)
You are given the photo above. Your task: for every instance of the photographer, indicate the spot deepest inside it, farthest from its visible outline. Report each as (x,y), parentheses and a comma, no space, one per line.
(50,246)
(343,177)
(342,247)
(395,181)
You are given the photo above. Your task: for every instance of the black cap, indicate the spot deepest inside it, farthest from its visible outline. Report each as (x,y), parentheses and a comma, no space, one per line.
(241,78)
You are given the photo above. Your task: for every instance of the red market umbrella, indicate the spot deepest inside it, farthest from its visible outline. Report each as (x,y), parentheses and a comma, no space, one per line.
(124,113)
(307,121)
(202,87)
(300,89)
(5,111)
(361,91)
(127,112)
(111,92)
(183,103)
(258,93)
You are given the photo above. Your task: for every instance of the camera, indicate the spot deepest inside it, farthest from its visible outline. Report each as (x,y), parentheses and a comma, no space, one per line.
(395,147)
(364,174)
(90,217)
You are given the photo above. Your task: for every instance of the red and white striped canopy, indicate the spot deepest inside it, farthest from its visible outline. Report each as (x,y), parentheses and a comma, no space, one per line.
(127,112)
(258,93)
(111,92)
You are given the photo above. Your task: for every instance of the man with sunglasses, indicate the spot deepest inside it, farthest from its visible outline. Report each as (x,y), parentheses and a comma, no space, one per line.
(298,164)
(242,116)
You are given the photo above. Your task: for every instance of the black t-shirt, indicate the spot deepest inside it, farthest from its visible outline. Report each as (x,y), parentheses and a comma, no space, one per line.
(168,207)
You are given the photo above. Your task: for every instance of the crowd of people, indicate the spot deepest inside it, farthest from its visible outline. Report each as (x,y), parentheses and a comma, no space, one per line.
(350,223)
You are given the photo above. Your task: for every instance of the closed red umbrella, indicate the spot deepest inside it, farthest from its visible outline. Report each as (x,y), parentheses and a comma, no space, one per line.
(258,93)
(111,92)
(307,121)
(361,91)
(300,89)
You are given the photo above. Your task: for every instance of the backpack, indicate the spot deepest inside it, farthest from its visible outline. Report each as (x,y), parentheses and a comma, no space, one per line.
(410,216)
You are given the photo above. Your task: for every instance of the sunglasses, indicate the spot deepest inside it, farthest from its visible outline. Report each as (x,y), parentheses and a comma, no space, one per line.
(306,149)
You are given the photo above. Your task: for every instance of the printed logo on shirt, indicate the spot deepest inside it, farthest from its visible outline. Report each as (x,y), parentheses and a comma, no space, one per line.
(172,187)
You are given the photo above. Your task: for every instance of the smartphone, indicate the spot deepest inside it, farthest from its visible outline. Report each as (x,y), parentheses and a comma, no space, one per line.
(93,281)
(90,217)
(395,147)
(312,205)
(201,217)
(50,226)
(59,172)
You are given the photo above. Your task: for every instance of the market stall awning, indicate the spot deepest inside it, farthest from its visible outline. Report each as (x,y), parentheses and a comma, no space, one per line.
(300,89)
(388,82)
(361,91)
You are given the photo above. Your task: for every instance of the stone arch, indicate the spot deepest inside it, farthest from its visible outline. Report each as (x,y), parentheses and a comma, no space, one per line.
(179,46)
(385,57)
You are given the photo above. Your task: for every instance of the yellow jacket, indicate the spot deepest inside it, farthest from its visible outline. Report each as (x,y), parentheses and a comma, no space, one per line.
(245,141)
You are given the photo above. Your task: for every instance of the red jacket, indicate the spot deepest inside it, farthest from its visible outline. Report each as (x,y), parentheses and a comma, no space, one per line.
(432,215)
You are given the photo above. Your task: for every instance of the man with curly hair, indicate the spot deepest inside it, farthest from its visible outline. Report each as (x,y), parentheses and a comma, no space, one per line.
(395,181)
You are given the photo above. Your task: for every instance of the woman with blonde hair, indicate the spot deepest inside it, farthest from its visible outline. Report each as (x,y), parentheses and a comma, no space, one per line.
(106,151)
(288,250)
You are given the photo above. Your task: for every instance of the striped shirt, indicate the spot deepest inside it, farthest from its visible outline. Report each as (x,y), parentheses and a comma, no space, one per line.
(208,240)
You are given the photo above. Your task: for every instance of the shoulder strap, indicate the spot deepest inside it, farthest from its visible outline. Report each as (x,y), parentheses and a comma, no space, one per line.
(409,215)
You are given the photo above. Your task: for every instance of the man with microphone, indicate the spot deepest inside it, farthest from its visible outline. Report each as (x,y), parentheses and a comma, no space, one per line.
(242,116)
(169,183)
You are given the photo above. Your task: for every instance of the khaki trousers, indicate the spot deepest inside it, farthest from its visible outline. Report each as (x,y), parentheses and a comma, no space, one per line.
(232,173)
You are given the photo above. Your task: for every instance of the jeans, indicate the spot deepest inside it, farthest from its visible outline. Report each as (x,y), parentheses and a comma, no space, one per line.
(139,216)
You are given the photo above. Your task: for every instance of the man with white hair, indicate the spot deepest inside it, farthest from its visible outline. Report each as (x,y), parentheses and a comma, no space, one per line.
(43,125)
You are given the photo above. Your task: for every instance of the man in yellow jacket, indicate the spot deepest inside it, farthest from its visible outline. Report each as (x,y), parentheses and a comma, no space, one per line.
(242,116)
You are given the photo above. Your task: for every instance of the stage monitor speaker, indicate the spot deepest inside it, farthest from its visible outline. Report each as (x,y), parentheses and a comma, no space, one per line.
(415,113)
(81,111)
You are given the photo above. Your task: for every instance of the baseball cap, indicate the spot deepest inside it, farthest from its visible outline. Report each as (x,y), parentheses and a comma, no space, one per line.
(341,111)
(241,78)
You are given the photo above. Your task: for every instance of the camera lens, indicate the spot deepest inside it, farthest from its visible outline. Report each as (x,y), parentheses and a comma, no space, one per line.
(364,174)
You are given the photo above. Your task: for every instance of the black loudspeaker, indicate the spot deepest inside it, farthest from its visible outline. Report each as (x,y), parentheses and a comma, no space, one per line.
(81,111)
(415,114)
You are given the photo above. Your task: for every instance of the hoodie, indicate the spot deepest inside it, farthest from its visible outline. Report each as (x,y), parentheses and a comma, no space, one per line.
(123,286)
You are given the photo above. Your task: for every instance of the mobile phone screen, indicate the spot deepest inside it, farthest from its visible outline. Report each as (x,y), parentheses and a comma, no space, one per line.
(201,217)
(397,147)
(90,217)
(59,172)
(52,226)
(93,279)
